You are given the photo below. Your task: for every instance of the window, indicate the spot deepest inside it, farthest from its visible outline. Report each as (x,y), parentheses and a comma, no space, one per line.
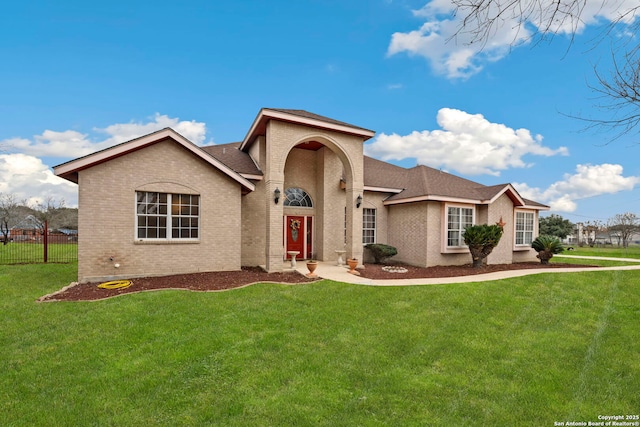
(458,218)
(167,216)
(297,197)
(524,228)
(368,225)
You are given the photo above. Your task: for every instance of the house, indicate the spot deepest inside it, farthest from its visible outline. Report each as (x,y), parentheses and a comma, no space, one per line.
(29,229)
(298,181)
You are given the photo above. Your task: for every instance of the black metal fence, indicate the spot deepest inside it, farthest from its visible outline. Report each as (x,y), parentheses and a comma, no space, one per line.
(38,247)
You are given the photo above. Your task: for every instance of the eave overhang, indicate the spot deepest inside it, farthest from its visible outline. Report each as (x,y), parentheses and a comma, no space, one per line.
(69,170)
(511,192)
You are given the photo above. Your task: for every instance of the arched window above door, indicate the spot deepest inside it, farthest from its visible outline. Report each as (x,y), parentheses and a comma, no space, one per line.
(297,197)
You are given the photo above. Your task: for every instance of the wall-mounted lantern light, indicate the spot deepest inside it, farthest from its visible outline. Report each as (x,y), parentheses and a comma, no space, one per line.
(276,195)
(359,201)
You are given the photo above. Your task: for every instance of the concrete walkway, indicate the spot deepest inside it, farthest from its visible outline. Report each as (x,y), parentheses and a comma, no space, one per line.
(329,270)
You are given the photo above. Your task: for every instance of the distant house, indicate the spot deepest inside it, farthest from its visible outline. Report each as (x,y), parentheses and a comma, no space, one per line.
(298,182)
(28,229)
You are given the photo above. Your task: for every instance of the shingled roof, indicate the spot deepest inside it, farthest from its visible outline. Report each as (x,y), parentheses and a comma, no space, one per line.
(425,183)
(308,115)
(230,155)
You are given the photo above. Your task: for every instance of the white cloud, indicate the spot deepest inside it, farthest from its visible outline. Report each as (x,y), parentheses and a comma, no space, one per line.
(587,181)
(24,174)
(30,179)
(455,55)
(121,132)
(467,143)
(52,144)
(70,143)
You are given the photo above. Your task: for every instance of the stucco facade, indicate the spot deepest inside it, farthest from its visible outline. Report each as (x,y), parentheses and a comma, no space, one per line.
(245,214)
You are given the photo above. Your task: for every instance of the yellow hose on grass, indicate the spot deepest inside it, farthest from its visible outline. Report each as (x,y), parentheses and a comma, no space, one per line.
(116,284)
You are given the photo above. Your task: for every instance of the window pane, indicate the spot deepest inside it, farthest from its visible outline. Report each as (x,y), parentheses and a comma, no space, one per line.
(153,213)
(297,197)
(368,225)
(458,219)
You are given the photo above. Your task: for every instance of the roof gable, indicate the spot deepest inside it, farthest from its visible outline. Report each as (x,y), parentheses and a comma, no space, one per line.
(69,170)
(301,117)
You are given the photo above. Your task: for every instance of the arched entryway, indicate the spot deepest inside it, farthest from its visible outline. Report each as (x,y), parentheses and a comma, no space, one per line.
(319,217)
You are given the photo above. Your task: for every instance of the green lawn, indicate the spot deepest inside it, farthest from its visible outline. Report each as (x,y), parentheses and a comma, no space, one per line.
(27,253)
(525,351)
(606,251)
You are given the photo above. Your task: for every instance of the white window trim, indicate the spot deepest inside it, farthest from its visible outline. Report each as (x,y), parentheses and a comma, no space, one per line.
(169,238)
(445,224)
(375,225)
(523,246)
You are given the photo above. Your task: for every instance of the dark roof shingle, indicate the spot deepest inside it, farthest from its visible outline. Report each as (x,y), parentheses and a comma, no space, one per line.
(230,155)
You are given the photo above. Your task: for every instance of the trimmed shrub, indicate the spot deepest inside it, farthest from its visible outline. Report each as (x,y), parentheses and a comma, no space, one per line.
(546,246)
(481,240)
(381,252)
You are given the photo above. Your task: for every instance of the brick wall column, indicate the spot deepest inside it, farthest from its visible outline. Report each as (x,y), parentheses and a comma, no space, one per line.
(354,221)
(274,245)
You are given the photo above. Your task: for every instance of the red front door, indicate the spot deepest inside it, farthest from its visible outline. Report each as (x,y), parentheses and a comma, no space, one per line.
(298,235)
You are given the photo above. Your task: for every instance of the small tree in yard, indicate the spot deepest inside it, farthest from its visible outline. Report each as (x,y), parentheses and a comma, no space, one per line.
(481,239)
(9,215)
(546,246)
(622,226)
(381,252)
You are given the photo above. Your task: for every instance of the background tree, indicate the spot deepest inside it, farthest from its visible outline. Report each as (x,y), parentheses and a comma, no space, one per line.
(10,215)
(555,225)
(50,212)
(481,239)
(618,88)
(623,226)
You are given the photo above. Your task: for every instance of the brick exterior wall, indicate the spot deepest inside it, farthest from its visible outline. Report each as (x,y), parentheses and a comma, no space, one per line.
(285,166)
(408,227)
(417,230)
(107,209)
(254,213)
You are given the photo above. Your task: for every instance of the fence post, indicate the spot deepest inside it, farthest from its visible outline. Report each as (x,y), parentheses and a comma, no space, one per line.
(46,240)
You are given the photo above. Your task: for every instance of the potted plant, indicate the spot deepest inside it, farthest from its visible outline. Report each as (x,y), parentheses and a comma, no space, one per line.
(353,263)
(312,264)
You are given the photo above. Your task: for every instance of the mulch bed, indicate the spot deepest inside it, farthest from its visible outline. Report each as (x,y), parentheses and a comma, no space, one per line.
(374,271)
(224,280)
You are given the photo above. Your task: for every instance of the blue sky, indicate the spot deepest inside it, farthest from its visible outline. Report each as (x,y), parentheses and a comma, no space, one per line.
(81,76)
